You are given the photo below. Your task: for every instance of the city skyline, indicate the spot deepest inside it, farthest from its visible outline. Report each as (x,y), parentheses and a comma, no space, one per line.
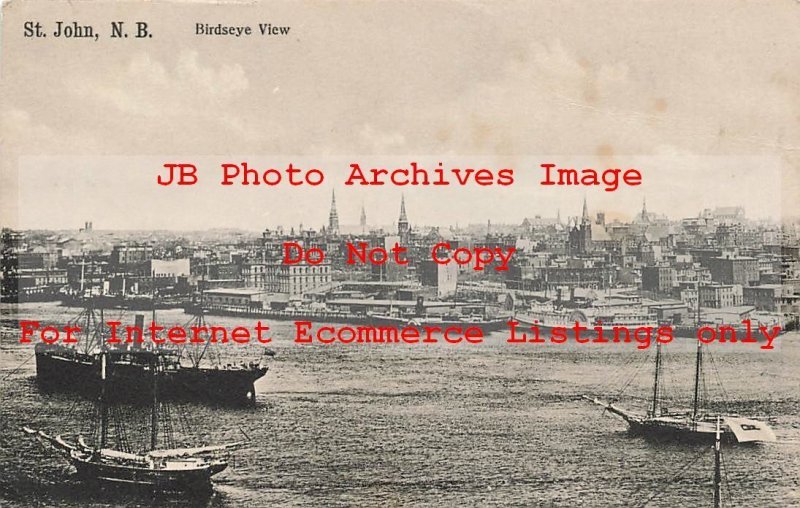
(122,193)
(348,227)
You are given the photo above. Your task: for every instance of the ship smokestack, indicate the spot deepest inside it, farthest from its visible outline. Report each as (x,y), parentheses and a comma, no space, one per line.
(138,322)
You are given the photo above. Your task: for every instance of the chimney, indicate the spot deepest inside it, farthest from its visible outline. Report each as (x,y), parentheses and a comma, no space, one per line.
(138,322)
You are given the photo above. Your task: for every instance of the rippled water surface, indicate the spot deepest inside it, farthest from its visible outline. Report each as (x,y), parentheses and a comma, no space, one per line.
(375,425)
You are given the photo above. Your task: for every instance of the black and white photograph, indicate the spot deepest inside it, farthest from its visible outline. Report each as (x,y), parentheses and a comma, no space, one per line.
(401,253)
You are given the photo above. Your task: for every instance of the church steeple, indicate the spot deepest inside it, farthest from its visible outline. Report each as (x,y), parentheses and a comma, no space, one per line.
(645,216)
(580,235)
(585,215)
(333,218)
(402,222)
(363,219)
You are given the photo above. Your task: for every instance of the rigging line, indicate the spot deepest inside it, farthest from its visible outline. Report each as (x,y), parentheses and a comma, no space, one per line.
(121,314)
(203,352)
(39,411)
(18,367)
(725,398)
(615,375)
(95,429)
(166,420)
(115,420)
(672,480)
(625,381)
(243,432)
(119,435)
(163,426)
(181,422)
(173,441)
(183,347)
(635,397)
(123,431)
(187,421)
(669,385)
(71,408)
(632,377)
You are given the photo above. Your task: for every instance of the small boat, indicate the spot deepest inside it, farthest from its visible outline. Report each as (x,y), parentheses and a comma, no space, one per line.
(155,469)
(694,425)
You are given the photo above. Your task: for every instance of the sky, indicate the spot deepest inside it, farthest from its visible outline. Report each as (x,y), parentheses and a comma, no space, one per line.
(700,96)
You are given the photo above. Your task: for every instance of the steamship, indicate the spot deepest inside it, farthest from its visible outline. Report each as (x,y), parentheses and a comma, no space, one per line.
(548,316)
(419,317)
(74,368)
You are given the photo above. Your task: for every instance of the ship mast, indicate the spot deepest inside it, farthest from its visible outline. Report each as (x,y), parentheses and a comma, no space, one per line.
(93,327)
(89,310)
(654,410)
(697,368)
(154,410)
(195,353)
(153,288)
(717,469)
(200,322)
(100,339)
(83,274)
(699,358)
(103,402)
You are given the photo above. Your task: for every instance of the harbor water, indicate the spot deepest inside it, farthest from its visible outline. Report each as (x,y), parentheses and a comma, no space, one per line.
(439,424)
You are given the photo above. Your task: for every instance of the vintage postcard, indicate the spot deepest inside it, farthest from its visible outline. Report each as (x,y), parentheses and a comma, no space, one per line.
(400,253)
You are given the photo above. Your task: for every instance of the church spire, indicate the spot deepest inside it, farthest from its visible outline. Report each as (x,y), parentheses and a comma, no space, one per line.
(333,218)
(402,222)
(585,215)
(645,216)
(363,219)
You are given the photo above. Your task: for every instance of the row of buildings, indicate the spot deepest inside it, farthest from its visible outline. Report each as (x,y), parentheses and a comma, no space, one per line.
(719,259)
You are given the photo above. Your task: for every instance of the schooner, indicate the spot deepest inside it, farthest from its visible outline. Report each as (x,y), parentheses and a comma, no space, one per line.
(694,425)
(156,469)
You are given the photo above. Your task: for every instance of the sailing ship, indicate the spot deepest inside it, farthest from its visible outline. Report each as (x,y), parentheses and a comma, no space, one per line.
(695,425)
(160,470)
(61,367)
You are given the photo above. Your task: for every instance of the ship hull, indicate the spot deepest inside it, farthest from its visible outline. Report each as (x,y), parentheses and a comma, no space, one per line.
(658,431)
(120,302)
(195,480)
(62,371)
